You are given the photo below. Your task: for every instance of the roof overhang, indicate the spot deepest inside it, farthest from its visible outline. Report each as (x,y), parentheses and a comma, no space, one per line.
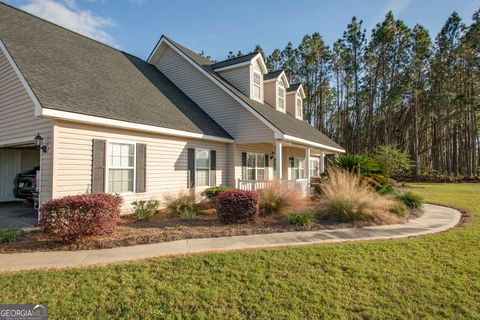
(256,58)
(290,138)
(300,88)
(83,118)
(282,76)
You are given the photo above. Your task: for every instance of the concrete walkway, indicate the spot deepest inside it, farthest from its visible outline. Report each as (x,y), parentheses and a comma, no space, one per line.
(435,219)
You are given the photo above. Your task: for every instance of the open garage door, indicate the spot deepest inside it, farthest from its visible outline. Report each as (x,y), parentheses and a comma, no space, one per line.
(18,171)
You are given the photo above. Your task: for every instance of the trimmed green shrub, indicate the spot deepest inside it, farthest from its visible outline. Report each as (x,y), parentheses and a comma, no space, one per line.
(74,217)
(9,235)
(177,206)
(211,193)
(299,218)
(144,209)
(393,160)
(271,202)
(237,206)
(410,199)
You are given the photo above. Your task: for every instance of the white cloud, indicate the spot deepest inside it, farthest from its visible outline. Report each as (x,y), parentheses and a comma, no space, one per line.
(68,15)
(396,6)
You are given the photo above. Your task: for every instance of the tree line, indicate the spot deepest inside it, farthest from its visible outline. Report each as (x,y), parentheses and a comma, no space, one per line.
(399,87)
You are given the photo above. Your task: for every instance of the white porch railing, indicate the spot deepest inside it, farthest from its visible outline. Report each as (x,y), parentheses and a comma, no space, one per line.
(254,185)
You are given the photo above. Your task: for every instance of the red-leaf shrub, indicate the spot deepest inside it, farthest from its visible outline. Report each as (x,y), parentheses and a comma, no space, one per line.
(74,217)
(237,206)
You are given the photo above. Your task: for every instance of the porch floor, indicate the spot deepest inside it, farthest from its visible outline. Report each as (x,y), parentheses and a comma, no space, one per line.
(17,214)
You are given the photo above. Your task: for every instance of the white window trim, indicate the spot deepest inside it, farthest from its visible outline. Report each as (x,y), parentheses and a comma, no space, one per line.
(259,86)
(107,166)
(265,168)
(317,160)
(281,97)
(292,174)
(209,167)
(298,107)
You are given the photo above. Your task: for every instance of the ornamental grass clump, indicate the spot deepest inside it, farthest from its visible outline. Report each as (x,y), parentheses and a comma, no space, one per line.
(182,206)
(275,199)
(75,217)
(143,210)
(410,199)
(346,198)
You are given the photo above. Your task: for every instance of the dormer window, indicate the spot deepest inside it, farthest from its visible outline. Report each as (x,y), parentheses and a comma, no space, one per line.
(298,106)
(257,82)
(281,95)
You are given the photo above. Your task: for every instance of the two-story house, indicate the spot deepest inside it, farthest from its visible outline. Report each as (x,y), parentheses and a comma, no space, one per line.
(111,122)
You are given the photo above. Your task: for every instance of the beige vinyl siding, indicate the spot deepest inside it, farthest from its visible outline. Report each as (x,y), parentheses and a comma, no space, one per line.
(166,160)
(270,92)
(227,112)
(239,77)
(18,124)
(291,98)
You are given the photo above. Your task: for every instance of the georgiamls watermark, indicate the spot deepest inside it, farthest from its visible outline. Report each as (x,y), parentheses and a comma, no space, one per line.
(23,312)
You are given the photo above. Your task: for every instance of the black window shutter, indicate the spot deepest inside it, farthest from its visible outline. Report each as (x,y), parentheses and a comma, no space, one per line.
(266,167)
(98,165)
(213,168)
(244,165)
(141,168)
(191,167)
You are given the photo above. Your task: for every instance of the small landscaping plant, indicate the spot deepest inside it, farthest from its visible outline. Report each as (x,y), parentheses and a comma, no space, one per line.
(349,199)
(299,218)
(271,201)
(211,193)
(75,217)
(410,199)
(237,206)
(188,215)
(144,209)
(9,235)
(178,206)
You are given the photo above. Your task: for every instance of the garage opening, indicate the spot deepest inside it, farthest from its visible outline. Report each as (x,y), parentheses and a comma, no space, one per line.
(19,186)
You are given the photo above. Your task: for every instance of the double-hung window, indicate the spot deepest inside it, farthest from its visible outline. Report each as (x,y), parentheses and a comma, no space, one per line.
(298,106)
(202,167)
(315,167)
(121,167)
(298,169)
(257,82)
(256,166)
(281,95)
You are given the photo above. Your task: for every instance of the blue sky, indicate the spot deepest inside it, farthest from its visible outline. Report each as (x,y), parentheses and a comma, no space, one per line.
(219,26)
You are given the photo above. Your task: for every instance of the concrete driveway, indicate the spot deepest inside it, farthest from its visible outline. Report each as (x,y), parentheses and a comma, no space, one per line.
(17,214)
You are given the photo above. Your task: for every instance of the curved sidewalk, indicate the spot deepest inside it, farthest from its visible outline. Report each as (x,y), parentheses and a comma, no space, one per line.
(435,219)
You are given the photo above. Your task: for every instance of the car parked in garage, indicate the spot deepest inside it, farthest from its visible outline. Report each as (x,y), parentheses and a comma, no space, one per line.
(25,185)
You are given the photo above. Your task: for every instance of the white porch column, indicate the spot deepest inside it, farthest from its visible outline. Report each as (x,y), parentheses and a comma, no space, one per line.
(307,164)
(322,162)
(278,160)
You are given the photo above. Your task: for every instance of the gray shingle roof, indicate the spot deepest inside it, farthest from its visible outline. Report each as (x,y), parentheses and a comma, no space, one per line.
(70,72)
(285,123)
(233,61)
(294,87)
(272,75)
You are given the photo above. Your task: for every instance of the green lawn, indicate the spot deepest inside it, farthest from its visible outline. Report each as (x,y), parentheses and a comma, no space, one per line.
(430,277)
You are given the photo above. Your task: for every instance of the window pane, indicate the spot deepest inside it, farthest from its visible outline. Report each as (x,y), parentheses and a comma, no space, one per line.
(202,159)
(256,91)
(260,174)
(256,78)
(120,180)
(251,174)
(251,160)
(202,178)
(260,161)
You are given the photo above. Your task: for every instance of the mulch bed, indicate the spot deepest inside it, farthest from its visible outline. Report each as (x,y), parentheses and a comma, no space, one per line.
(162,229)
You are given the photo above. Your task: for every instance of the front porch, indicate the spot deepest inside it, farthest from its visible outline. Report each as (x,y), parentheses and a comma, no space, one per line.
(291,165)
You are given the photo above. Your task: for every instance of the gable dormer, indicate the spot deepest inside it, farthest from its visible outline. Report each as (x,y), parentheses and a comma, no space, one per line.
(245,73)
(295,97)
(275,86)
